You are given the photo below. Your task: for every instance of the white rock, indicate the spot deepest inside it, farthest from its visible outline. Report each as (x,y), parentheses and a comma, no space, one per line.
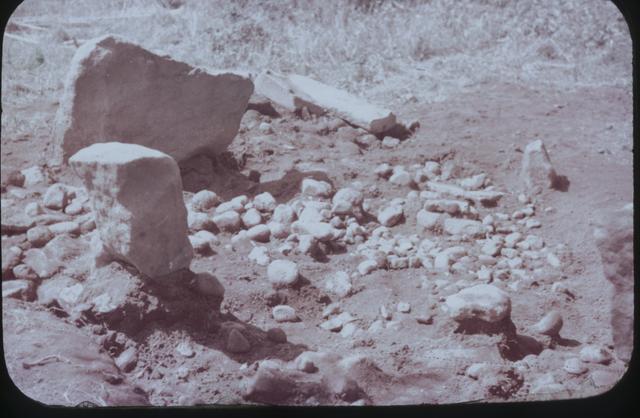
(315,188)
(400,178)
(427,220)
(204,200)
(39,235)
(441,262)
(264,202)
(346,200)
(595,354)
(278,230)
(228,221)
(284,214)
(433,168)
(474,182)
(185,349)
(574,366)
(320,231)
(140,214)
(68,227)
(512,239)
(390,142)
(260,256)
(339,284)
(33,209)
(537,172)
(33,176)
(282,273)
(367,267)
(484,301)
(154,101)
(198,221)
(260,233)
(251,218)
(403,307)
(55,197)
(384,170)
(284,313)
(550,324)
(455,226)
(391,215)
(336,323)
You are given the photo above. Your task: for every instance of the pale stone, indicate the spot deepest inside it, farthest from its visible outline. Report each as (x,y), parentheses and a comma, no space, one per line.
(550,324)
(228,221)
(537,172)
(367,267)
(264,202)
(391,215)
(455,226)
(204,200)
(55,197)
(339,284)
(69,227)
(251,218)
(38,236)
(282,273)
(284,214)
(484,301)
(260,256)
(427,220)
(400,178)
(316,188)
(595,354)
(284,313)
(260,233)
(147,99)
(139,210)
(574,366)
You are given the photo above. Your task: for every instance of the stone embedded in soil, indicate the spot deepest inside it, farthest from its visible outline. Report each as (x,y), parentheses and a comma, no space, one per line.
(198,221)
(390,142)
(259,233)
(185,349)
(204,200)
(595,354)
(284,214)
(484,301)
(139,209)
(391,215)
(33,176)
(339,284)
(336,323)
(403,307)
(127,360)
(228,221)
(346,200)
(69,227)
(550,324)
(55,197)
(147,99)
(455,226)
(316,188)
(574,366)
(260,256)
(614,240)
(284,313)
(282,273)
(10,258)
(277,335)
(427,220)
(400,177)
(537,172)
(39,235)
(367,267)
(237,342)
(33,209)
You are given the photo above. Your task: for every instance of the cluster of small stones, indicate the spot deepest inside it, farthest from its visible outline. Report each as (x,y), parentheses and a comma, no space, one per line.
(461,232)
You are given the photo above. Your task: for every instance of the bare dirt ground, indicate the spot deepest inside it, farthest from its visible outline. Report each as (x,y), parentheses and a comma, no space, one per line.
(587,131)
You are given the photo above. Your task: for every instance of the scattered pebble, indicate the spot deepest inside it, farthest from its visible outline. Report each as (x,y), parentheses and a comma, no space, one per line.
(284,313)
(595,354)
(574,366)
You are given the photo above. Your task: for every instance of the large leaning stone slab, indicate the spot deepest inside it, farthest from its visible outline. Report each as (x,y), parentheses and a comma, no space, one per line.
(614,239)
(116,89)
(136,193)
(296,91)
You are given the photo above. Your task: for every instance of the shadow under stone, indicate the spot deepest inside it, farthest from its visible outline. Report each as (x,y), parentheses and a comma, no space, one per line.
(561,183)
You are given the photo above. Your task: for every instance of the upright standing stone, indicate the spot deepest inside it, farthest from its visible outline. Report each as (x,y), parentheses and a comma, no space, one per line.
(136,193)
(537,172)
(116,89)
(614,238)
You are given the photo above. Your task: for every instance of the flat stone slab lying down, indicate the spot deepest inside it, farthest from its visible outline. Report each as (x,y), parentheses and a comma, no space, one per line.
(115,89)
(295,91)
(136,193)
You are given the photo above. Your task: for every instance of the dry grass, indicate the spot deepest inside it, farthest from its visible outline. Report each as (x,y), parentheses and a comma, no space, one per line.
(382,49)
